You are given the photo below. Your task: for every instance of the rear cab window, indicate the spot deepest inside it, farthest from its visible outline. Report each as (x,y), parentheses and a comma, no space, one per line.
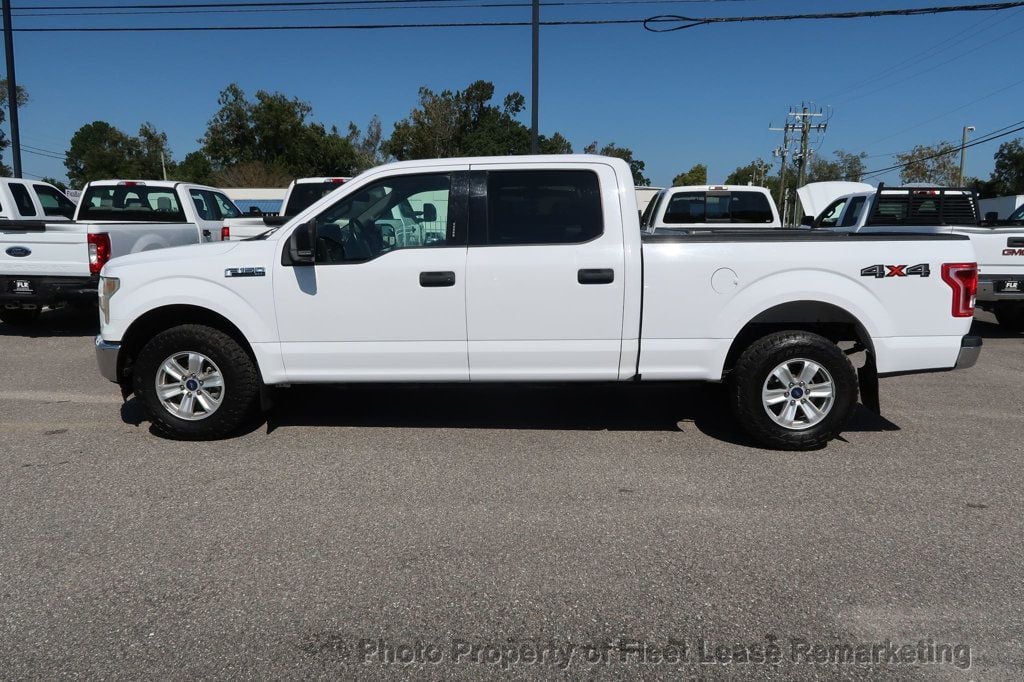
(305,194)
(543,207)
(713,206)
(131,203)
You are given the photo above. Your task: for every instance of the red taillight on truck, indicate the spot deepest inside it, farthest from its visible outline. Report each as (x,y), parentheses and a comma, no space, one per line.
(99,251)
(225,233)
(962,278)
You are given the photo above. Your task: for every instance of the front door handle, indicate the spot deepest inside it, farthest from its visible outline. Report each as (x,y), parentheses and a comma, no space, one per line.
(437,279)
(595,276)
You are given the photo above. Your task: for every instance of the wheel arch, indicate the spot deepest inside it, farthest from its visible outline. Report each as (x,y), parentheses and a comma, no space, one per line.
(819,317)
(166,317)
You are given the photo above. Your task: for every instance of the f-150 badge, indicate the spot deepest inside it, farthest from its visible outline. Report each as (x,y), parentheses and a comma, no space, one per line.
(882,271)
(245,272)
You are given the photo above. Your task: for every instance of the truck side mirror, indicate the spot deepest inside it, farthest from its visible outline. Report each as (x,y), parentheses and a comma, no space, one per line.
(255,210)
(300,244)
(807,221)
(992,217)
(429,213)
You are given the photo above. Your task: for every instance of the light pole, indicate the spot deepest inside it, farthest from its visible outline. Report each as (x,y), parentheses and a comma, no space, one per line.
(963,152)
(12,91)
(534,115)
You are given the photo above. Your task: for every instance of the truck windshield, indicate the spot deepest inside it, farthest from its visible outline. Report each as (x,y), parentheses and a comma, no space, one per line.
(305,194)
(131,203)
(688,208)
(1017,215)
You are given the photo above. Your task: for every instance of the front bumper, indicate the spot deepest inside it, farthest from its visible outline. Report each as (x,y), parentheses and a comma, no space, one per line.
(106,358)
(993,288)
(970,349)
(28,291)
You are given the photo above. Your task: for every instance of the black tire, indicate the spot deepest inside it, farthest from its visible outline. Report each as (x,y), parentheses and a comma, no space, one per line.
(20,317)
(751,376)
(1011,316)
(239,399)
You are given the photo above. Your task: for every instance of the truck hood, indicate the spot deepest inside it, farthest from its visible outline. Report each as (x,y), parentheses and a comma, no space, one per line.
(183,254)
(816,196)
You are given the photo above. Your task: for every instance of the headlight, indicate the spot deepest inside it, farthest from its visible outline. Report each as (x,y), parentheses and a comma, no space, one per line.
(107,288)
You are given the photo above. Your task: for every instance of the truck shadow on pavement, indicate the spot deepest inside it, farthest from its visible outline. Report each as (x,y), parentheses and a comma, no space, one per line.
(992,330)
(595,407)
(69,321)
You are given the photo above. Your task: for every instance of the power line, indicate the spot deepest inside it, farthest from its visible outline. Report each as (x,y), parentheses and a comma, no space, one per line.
(953,149)
(267,3)
(692,22)
(647,23)
(356,6)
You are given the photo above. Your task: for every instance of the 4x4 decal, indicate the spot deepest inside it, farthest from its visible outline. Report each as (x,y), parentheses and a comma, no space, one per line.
(882,271)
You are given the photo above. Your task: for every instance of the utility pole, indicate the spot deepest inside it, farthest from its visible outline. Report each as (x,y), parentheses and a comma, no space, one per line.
(534,115)
(803,125)
(12,90)
(163,165)
(963,152)
(783,154)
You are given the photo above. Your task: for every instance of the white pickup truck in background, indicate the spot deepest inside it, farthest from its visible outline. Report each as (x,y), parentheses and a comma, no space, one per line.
(862,208)
(704,207)
(539,273)
(33,200)
(50,263)
(301,193)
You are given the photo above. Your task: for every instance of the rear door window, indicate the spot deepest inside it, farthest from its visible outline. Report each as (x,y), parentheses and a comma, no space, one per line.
(225,207)
(543,207)
(53,202)
(853,212)
(22,199)
(204,207)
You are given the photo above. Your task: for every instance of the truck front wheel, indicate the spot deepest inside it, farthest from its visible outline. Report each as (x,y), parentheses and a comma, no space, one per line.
(196,383)
(793,390)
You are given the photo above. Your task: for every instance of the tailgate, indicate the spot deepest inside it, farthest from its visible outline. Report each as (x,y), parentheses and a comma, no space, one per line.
(1000,251)
(58,251)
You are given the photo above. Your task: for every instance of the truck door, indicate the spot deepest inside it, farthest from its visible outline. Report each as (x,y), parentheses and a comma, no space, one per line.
(207,219)
(373,308)
(545,273)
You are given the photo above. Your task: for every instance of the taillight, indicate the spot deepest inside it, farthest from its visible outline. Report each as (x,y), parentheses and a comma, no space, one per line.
(225,233)
(99,251)
(963,280)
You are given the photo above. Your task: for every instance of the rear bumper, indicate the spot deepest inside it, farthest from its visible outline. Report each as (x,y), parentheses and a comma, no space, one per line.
(992,288)
(30,291)
(106,358)
(970,349)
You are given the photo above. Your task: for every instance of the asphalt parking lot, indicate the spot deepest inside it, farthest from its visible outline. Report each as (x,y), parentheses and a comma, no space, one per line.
(544,531)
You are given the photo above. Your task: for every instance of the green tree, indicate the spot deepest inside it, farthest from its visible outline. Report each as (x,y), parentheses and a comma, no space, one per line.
(636,166)
(464,123)
(195,167)
(274,131)
(845,166)
(697,175)
(151,154)
(4,142)
(99,151)
(59,184)
(759,172)
(936,164)
(367,145)
(1008,175)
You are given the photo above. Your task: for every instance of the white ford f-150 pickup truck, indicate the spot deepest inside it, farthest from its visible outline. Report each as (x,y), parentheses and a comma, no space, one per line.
(47,263)
(540,273)
(703,207)
(859,207)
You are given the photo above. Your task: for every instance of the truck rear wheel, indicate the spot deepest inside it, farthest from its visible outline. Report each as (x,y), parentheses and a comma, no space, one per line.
(196,383)
(1011,316)
(19,317)
(793,390)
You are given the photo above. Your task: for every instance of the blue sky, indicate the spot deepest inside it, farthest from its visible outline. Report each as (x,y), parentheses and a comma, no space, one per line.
(703,95)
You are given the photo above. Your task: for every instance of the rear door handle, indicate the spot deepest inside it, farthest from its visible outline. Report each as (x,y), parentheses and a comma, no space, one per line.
(595,276)
(437,279)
